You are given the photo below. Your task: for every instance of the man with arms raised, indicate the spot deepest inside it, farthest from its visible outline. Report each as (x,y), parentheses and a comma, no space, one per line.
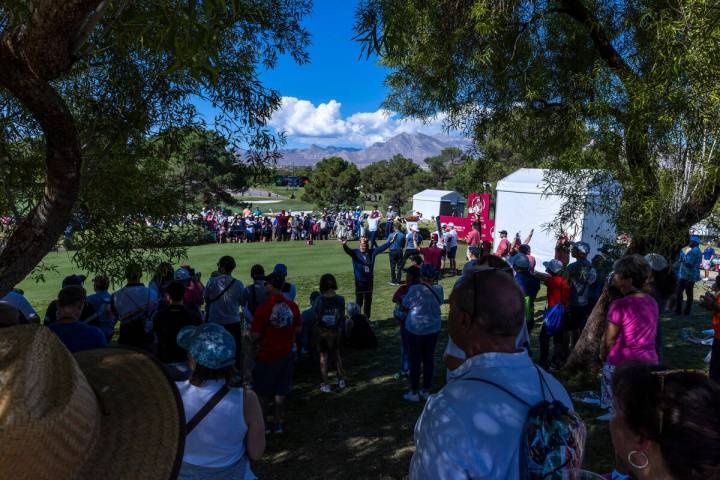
(457,436)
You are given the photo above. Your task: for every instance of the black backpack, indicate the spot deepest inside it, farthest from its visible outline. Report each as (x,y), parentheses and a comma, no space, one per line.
(361,335)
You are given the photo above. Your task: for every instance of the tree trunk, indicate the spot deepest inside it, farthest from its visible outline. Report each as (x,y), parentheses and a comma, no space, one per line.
(586,354)
(37,233)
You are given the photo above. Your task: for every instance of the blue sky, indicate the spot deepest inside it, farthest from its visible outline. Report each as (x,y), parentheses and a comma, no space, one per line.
(336,98)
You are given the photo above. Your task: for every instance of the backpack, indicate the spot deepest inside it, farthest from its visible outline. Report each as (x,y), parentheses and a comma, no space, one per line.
(329,314)
(553,437)
(553,319)
(361,335)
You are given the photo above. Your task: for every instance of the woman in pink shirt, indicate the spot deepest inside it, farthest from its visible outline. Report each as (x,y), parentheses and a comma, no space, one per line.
(632,322)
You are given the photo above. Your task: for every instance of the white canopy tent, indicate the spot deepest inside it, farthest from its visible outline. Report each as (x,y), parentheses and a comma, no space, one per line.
(522,205)
(433,203)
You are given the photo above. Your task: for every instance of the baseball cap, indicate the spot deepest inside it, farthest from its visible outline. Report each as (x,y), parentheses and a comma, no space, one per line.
(657,262)
(210,345)
(695,238)
(582,247)
(428,271)
(181,274)
(73,280)
(451,225)
(280,268)
(474,250)
(553,265)
(522,261)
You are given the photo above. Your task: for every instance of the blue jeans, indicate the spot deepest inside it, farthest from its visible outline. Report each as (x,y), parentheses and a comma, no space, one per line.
(388,229)
(422,353)
(372,238)
(404,350)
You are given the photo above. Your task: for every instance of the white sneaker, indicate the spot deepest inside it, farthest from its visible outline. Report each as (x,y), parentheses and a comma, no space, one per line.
(325,388)
(341,384)
(424,394)
(411,397)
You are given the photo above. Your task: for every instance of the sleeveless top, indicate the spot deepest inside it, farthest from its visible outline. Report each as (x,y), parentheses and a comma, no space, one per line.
(217,443)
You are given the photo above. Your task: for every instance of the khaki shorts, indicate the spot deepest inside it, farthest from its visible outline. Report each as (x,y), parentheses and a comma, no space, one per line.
(326,339)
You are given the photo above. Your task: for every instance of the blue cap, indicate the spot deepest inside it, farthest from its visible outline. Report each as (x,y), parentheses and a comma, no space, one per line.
(428,271)
(181,275)
(210,345)
(280,268)
(695,238)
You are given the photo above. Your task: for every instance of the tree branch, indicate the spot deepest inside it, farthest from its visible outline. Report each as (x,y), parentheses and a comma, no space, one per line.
(88,27)
(577,11)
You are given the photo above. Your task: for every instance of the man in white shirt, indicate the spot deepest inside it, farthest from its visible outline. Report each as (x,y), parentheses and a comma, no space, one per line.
(457,436)
(373,223)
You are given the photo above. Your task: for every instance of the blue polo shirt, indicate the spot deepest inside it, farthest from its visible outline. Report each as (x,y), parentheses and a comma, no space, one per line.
(78,336)
(397,240)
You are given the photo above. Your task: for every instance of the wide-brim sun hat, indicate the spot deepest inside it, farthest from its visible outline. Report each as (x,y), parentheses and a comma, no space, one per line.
(657,262)
(108,413)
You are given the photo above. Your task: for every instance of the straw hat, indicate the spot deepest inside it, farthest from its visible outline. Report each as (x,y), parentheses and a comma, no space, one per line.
(110,413)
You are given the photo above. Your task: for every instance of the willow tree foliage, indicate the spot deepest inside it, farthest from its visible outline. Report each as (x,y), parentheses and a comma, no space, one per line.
(584,85)
(85,83)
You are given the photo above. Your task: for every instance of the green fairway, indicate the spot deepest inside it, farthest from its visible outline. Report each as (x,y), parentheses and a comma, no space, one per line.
(366,431)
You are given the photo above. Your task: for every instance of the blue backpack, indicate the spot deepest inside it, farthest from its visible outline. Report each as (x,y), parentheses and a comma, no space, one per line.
(554,319)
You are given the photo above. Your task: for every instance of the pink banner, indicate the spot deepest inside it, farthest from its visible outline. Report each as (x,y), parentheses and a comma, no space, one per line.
(479,206)
(464,225)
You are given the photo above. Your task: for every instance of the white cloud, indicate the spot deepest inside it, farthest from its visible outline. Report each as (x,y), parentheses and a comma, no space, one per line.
(324,124)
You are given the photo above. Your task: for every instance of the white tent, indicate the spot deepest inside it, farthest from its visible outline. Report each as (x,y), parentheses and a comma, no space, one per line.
(522,205)
(433,203)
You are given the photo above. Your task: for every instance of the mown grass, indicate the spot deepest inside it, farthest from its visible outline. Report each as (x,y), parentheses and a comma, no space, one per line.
(366,431)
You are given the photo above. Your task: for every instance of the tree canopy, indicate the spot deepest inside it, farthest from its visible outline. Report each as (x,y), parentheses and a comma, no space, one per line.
(334,182)
(583,85)
(85,84)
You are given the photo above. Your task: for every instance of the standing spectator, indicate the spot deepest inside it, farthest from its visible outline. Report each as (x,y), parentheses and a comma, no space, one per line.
(412,277)
(194,288)
(274,327)
(221,440)
(101,301)
(450,239)
(432,255)
(473,429)
(389,221)
(525,250)
(373,224)
(712,303)
(688,272)
(422,303)
(306,335)
(562,248)
(632,323)
(88,314)
(17,299)
(329,323)
(169,320)
(661,283)
(473,237)
(133,305)
(581,275)
(256,295)
(708,255)
(396,241)
(530,287)
(164,276)
(288,289)
(558,298)
(667,423)
(74,334)
(412,244)
(363,260)
(503,249)
(224,298)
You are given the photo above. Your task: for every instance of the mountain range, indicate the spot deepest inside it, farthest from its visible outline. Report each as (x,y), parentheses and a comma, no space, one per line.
(415,146)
